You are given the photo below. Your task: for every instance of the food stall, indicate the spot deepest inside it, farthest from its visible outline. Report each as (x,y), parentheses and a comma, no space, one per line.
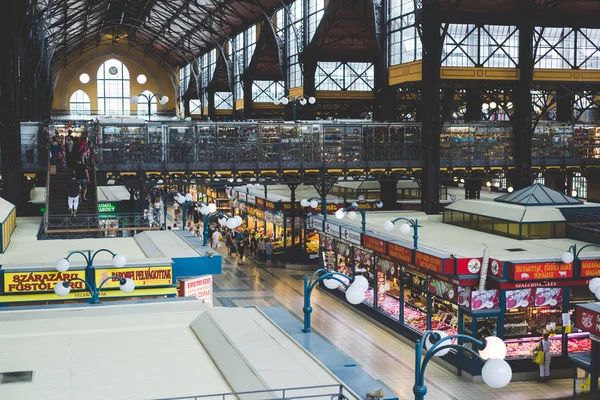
(586,365)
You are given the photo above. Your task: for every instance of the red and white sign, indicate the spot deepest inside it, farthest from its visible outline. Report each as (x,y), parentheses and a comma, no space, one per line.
(548,270)
(588,320)
(468,266)
(429,262)
(331,229)
(590,268)
(373,243)
(251,199)
(200,287)
(399,252)
(350,235)
(523,285)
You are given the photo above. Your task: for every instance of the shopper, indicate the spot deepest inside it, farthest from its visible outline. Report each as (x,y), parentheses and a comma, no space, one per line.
(176,227)
(261,249)
(544,346)
(83,177)
(269,252)
(176,210)
(73,188)
(216,239)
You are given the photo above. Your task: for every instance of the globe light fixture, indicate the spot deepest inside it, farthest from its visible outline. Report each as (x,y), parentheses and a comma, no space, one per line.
(379,204)
(496,373)
(119,261)
(495,348)
(212,207)
(445,348)
(510,189)
(135,99)
(339,214)
(331,283)
(188,197)
(62,265)
(568,258)
(312,100)
(163,100)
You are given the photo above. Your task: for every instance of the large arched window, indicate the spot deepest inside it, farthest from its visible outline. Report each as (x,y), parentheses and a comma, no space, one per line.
(142,105)
(80,104)
(113,88)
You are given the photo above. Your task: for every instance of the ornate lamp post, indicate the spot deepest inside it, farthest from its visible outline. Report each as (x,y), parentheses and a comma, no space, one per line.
(572,255)
(405,228)
(313,202)
(496,372)
(161,99)
(210,211)
(355,292)
(351,213)
(303,100)
(62,288)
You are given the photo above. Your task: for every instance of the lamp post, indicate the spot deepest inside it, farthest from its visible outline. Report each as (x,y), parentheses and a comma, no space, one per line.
(62,288)
(351,213)
(210,211)
(355,292)
(303,100)
(405,228)
(161,99)
(496,372)
(313,202)
(572,255)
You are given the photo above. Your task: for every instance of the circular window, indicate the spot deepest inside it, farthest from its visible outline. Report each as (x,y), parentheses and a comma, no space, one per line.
(84,78)
(141,79)
(113,70)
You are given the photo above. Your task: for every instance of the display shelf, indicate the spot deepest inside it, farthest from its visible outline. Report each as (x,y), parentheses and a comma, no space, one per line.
(523,347)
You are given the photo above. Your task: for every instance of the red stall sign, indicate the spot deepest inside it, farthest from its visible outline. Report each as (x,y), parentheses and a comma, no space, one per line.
(468,266)
(399,252)
(428,262)
(588,320)
(549,270)
(590,268)
(260,202)
(373,243)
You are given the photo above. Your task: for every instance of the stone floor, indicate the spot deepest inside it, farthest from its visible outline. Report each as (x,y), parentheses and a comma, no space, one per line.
(375,348)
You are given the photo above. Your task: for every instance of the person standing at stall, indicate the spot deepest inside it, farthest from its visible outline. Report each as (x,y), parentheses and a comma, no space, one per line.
(544,346)
(269,252)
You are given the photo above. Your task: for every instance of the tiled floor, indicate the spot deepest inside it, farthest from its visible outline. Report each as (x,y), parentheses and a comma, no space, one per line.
(380,352)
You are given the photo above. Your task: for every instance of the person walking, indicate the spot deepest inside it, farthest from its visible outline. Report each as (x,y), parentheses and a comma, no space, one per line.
(241,248)
(176,210)
(216,239)
(73,188)
(230,243)
(269,252)
(544,346)
(83,177)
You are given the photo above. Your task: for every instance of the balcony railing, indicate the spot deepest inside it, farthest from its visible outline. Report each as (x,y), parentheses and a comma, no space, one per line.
(331,392)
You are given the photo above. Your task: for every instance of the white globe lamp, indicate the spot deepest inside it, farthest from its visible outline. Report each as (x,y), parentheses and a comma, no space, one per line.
(404,229)
(388,226)
(312,100)
(62,288)
(188,197)
(354,295)
(212,207)
(119,261)
(163,100)
(135,99)
(594,285)
(285,101)
(352,215)
(567,257)
(304,203)
(379,204)
(238,220)
(62,265)
(204,210)
(314,204)
(360,282)
(339,214)
(443,348)
(496,373)
(128,286)
(302,101)
(277,102)
(494,348)
(331,283)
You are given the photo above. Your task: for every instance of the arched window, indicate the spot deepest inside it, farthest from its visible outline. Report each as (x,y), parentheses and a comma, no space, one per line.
(113,88)
(80,104)
(142,106)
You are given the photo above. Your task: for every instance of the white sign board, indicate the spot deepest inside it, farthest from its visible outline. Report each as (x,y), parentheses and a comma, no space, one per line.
(316,224)
(332,229)
(200,287)
(350,235)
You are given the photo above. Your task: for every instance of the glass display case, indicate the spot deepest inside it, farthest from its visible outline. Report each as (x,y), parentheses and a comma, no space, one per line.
(415,300)
(523,347)
(311,241)
(444,315)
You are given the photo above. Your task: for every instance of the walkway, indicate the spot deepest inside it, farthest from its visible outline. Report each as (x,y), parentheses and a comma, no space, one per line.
(376,349)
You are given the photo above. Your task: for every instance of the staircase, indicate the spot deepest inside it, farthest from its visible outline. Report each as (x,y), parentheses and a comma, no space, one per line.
(59,221)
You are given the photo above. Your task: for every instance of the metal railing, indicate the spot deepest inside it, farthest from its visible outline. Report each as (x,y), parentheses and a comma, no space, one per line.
(335,392)
(94,226)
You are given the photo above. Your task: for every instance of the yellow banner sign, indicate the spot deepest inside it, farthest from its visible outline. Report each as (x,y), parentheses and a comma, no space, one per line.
(22,298)
(143,277)
(23,282)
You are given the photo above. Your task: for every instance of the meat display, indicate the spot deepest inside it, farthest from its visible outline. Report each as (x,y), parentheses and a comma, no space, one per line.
(524,347)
